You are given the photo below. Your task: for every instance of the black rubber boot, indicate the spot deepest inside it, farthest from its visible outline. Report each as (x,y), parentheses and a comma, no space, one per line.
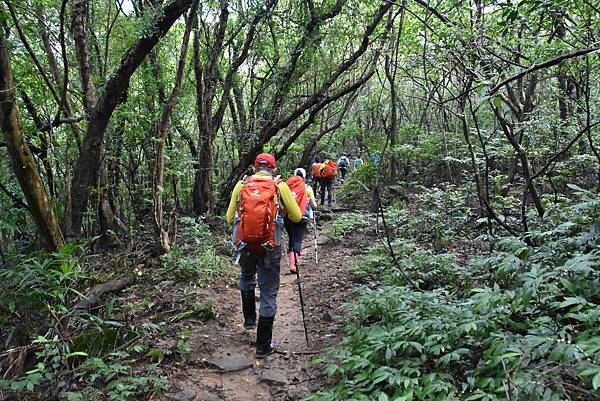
(264,334)
(249,308)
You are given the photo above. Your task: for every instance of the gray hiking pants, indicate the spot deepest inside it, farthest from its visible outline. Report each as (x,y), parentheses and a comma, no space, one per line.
(265,267)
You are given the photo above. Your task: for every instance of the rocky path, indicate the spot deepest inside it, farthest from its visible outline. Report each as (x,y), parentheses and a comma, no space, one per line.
(222,365)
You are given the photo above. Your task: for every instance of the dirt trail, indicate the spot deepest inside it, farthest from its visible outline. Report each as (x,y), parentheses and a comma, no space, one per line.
(287,374)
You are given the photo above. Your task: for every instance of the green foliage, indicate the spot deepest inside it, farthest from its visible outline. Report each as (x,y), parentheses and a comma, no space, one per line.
(423,267)
(198,259)
(16,225)
(118,376)
(48,285)
(44,283)
(184,346)
(345,225)
(366,173)
(532,334)
(204,310)
(442,216)
(377,263)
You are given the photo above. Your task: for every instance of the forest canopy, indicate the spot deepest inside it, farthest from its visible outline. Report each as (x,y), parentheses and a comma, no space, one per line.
(126,125)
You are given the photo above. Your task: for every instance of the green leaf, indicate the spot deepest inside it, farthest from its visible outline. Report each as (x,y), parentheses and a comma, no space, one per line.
(511,354)
(576,188)
(569,301)
(498,102)
(596,381)
(383,397)
(417,346)
(71,396)
(73,354)
(476,396)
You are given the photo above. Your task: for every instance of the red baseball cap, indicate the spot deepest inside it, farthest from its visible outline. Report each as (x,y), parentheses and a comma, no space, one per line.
(265,160)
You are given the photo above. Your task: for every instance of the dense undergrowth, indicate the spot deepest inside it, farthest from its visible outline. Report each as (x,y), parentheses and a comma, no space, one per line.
(114,351)
(520,322)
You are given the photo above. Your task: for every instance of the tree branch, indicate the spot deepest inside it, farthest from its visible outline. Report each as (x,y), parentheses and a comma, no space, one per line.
(14,198)
(546,64)
(31,53)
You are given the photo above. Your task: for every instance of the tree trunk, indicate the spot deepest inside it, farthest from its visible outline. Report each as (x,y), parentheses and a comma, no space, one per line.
(106,215)
(508,130)
(391,63)
(158,176)
(22,159)
(206,82)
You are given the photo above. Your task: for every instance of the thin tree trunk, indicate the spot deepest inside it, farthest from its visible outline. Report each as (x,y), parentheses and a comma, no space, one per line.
(524,159)
(391,63)
(161,232)
(106,216)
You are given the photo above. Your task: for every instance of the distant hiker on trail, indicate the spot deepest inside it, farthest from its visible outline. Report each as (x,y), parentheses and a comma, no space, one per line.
(316,173)
(357,163)
(305,198)
(376,159)
(328,172)
(343,165)
(256,213)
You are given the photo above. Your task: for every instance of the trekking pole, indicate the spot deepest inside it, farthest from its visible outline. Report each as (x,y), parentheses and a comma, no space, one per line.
(315,237)
(300,293)
(333,194)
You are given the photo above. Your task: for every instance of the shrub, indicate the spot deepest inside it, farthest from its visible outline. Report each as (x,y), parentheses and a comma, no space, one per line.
(347,224)
(196,259)
(532,334)
(423,267)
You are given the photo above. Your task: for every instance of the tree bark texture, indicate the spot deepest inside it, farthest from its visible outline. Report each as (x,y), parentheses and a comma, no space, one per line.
(209,122)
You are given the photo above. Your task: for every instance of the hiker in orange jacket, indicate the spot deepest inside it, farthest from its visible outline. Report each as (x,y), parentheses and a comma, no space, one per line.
(257,237)
(305,198)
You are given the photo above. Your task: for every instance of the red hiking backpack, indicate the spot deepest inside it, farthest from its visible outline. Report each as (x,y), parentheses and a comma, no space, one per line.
(316,170)
(298,188)
(258,206)
(330,169)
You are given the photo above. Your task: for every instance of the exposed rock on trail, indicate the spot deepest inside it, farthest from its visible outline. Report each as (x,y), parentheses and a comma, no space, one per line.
(222,362)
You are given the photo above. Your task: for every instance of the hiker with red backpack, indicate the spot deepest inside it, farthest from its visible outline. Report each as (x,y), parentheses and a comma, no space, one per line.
(256,212)
(305,198)
(328,171)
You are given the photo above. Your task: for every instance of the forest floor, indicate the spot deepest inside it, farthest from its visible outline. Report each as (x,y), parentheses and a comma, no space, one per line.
(221,363)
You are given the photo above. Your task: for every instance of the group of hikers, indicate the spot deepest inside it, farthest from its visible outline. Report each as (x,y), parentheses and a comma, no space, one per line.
(261,206)
(324,172)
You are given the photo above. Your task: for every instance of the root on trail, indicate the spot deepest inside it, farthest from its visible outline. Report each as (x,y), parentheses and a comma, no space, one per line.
(95,294)
(93,298)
